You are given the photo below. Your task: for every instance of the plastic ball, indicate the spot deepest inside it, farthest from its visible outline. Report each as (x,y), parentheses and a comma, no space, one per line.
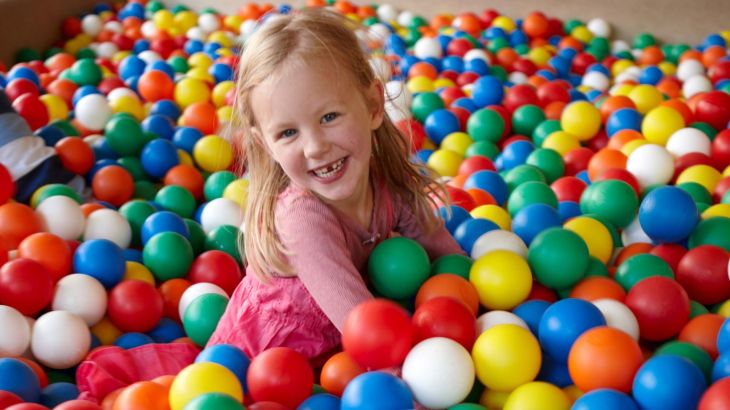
(18,379)
(702,331)
(113,184)
(155,85)
(498,240)
(618,316)
(81,295)
(233,358)
(702,272)
(445,317)
(376,390)
(25,285)
(202,315)
(213,153)
(581,119)
(158,222)
(32,109)
(15,331)
(192,292)
(60,339)
(108,224)
(337,373)
(17,221)
(190,90)
(124,135)
(470,230)
(281,375)
(93,111)
(142,395)
(658,320)
(498,317)
(506,356)
(201,378)
(651,164)
(711,231)
(485,125)
(445,162)
(135,306)
(158,157)
(595,235)
(660,123)
(221,211)
(49,250)
(102,259)
(663,224)
(668,382)
(537,396)
(398,267)
(604,399)
(612,199)
(168,255)
(62,216)
(551,247)
(502,279)
(214,401)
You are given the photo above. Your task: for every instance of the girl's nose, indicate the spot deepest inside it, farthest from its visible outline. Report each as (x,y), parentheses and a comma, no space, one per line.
(316,145)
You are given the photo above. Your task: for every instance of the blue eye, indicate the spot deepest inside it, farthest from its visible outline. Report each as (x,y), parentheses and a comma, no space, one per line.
(288,133)
(330,116)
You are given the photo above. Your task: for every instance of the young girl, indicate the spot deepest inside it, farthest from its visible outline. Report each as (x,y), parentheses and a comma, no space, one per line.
(329,178)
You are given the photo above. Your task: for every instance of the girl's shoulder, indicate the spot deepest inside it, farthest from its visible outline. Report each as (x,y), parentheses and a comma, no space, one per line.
(295,204)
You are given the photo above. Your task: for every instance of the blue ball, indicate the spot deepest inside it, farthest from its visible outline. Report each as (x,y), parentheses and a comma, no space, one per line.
(555,372)
(563,322)
(24,72)
(465,103)
(131,66)
(668,214)
(516,154)
(166,331)
(376,391)
(560,65)
(477,65)
(470,230)
(721,367)
(532,219)
(395,44)
(423,155)
(230,357)
(517,37)
(132,10)
(57,393)
(102,150)
(101,259)
(453,63)
(623,119)
(435,62)
(133,339)
(457,216)
(221,72)
(322,401)
(160,125)
(605,399)
(168,108)
(487,90)
(83,91)
(18,378)
(50,134)
(493,33)
(568,210)
(723,337)
(491,182)
(600,68)
(158,156)
(668,382)
(407,62)
(651,75)
(185,138)
(531,312)
(141,45)
(132,255)
(161,65)
(441,123)
(576,95)
(546,74)
(193,46)
(163,221)
(199,212)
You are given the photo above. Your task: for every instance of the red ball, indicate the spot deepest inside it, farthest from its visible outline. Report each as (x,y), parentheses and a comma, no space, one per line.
(7,399)
(717,396)
(688,160)
(25,285)
(519,95)
(71,27)
(458,47)
(113,184)
(576,160)
(719,71)
(467,77)
(552,91)
(461,198)
(661,307)
(280,375)
(720,189)
(266,405)
(75,155)
(581,62)
(78,405)
(714,109)
(445,317)
(378,334)
(32,109)
(20,86)
(672,253)
(413,132)
(109,84)
(524,66)
(476,163)
(568,188)
(27,406)
(702,272)
(462,114)
(7,185)
(451,94)
(135,306)
(216,267)
(541,292)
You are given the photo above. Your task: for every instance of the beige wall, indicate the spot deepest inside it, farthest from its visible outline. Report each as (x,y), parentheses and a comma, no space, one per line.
(36,23)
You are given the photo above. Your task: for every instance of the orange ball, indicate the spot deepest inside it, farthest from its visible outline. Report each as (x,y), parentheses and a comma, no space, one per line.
(506,57)
(75,155)
(468,22)
(424,69)
(155,85)
(64,89)
(337,372)
(49,250)
(457,181)
(604,160)
(651,55)
(108,402)
(90,207)
(691,54)
(554,110)
(201,115)
(17,222)
(604,357)
(481,197)
(669,88)
(59,62)
(598,287)
(681,108)
(172,291)
(144,395)
(712,55)
(702,331)
(535,24)
(113,184)
(186,176)
(614,103)
(250,11)
(440,21)
(345,7)
(449,285)
(631,250)
(619,139)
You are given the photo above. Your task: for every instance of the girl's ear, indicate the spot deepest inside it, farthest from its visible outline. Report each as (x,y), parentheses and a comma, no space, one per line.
(376,103)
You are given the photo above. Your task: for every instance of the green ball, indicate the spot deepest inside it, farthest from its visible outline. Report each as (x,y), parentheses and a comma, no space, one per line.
(706,128)
(571,24)
(725,197)
(600,44)
(317,389)
(168,255)
(531,192)
(411,37)
(50,190)
(25,55)
(484,148)
(154,6)
(176,199)
(467,406)
(639,267)
(499,72)
(711,231)
(214,401)
(134,166)
(216,183)
(398,267)
(86,53)
(178,8)
(224,238)
(68,129)
(696,309)
(522,174)
(135,212)
(179,64)
(124,135)
(424,104)
(597,268)
(725,88)
(598,53)
(522,49)
(644,40)
(145,190)
(549,162)
(454,263)
(485,125)
(85,71)
(698,192)
(497,44)
(526,118)
(558,258)
(197,236)
(613,199)
(543,130)
(202,316)
(691,352)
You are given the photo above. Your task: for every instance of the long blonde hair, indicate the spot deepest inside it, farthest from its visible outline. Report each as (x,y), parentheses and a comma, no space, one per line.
(304,36)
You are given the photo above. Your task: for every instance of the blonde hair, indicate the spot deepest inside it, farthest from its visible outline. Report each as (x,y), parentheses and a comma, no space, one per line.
(308,35)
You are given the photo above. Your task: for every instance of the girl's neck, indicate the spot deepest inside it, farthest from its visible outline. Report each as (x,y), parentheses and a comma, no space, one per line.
(360,209)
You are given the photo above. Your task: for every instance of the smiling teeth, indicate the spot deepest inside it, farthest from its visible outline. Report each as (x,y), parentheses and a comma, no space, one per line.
(328,171)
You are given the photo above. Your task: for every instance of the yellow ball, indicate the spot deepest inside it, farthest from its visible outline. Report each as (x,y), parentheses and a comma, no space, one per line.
(539,56)
(233,22)
(645,97)
(494,213)
(220,90)
(201,73)
(420,84)
(660,123)
(581,119)
(717,210)
(224,114)
(185,20)
(537,396)
(105,331)
(724,309)
(445,162)
(726,171)
(630,146)
(137,271)
(128,104)
(458,142)
(184,157)
(120,55)
(704,175)
(594,234)
(190,90)
(667,68)
(583,34)
(504,22)
(572,392)
(37,194)
(506,356)
(562,142)
(201,378)
(502,279)
(163,19)
(57,108)
(237,191)
(620,66)
(493,399)
(221,38)
(443,83)
(621,89)
(213,153)
(200,59)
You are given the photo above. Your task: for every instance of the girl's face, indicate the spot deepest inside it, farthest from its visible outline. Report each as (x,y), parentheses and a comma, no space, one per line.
(317,125)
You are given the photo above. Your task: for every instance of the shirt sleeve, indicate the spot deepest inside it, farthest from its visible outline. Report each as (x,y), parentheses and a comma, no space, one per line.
(437,243)
(319,256)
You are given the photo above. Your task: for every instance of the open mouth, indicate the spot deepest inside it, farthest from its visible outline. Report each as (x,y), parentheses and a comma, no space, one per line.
(330,170)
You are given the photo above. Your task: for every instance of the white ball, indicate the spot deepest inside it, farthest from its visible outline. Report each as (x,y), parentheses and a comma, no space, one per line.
(651,164)
(108,224)
(196,33)
(208,22)
(93,111)
(14,332)
(634,233)
(439,371)
(518,77)
(113,26)
(498,317)
(62,216)
(688,140)
(148,29)
(397,101)
(696,84)
(618,46)
(149,57)
(387,13)
(405,18)
(689,68)
(60,339)
(476,53)
(107,49)
(599,27)
(596,80)
(195,290)
(498,239)
(427,47)
(379,31)
(91,24)
(220,211)
(618,316)
(121,92)
(81,295)
(626,77)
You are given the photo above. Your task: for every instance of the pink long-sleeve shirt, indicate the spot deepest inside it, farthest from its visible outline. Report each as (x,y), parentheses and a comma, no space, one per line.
(329,253)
